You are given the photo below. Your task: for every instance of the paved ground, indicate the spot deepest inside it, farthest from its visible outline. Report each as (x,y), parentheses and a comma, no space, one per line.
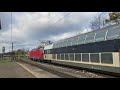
(14,69)
(10,69)
(37,72)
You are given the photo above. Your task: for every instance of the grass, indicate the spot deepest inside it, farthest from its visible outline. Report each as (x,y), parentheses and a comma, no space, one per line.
(4,61)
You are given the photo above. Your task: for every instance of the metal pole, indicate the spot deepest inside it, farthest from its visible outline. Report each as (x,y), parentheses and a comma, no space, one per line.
(11,39)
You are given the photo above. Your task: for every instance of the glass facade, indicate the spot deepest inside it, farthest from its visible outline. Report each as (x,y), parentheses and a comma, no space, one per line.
(90,38)
(98,35)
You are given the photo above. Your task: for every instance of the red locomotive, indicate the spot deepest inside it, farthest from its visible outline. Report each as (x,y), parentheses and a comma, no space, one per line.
(36,54)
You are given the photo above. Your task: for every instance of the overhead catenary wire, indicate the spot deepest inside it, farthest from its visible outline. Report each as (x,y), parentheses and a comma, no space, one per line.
(53,18)
(51,28)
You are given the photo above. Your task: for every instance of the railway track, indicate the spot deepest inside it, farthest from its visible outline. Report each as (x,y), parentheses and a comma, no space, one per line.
(65,71)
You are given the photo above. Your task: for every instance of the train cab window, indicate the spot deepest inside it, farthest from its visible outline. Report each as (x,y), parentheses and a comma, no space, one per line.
(100,36)
(112,34)
(81,39)
(90,38)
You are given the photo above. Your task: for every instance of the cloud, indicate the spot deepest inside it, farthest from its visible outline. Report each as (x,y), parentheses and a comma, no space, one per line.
(30,27)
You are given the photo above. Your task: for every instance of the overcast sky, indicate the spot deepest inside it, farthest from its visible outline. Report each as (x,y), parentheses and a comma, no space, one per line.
(30,27)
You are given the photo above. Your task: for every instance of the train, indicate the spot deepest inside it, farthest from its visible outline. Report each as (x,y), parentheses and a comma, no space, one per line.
(36,54)
(97,50)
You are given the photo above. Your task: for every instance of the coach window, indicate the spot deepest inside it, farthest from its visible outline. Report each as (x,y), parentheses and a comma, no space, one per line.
(85,57)
(90,38)
(94,57)
(58,56)
(47,51)
(54,45)
(69,42)
(65,42)
(71,56)
(74,41)
(113,34)
(57,45)
(107,58)
(81,40)
(66,56)
(78,57)
(62,43)
(100,36)
(62,56)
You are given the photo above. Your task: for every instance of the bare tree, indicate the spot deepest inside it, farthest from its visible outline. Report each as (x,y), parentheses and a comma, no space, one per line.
(98,21)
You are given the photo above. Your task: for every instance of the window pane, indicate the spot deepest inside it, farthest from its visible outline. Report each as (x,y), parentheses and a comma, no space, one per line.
(85,57)
(107,58)
(58,56)
(64,43)
(62,56)
(81,40)
(100,36)
(77,57)
(66,57)
(69,42)
(90,38)
(113,33)
(94,58)
(74,41)
(60,44)
(54,56)
(56,45)
(71,56)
